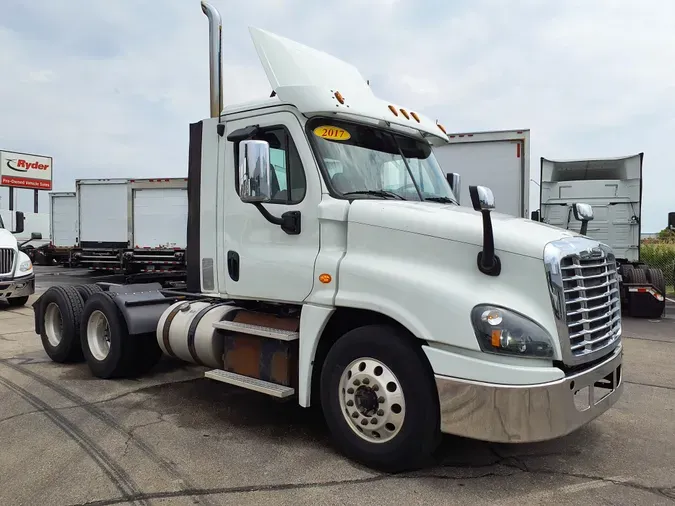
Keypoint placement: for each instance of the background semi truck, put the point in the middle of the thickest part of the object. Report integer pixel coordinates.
(326, 260)
(132, 226)
(613, 188)
(500, 159)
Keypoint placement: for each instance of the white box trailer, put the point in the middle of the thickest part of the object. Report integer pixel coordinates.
(62, 228)
(498, 159)
(613, 188)
(132, 225)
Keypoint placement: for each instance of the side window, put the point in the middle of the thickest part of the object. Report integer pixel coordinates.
(287, 173)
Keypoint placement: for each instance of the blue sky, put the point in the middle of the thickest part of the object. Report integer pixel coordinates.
(108, 88)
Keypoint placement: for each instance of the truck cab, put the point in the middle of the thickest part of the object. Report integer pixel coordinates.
(17, 280)
(329, 264)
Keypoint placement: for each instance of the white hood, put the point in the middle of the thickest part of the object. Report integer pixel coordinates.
(457, 223)
(7, 240)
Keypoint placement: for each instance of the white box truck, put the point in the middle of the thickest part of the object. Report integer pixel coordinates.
(329, 264)
(613, 189)
(500, 159)
(132, 225)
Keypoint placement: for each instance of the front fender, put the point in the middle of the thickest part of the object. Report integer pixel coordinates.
(430, 285)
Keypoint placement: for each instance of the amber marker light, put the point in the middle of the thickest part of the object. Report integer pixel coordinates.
(325, 278)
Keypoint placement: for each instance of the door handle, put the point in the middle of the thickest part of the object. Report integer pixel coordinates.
(233, 265)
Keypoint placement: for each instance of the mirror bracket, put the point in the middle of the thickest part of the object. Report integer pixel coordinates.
(483, 201)
(289, 222)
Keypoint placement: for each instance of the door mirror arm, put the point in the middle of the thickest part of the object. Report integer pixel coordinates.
(289, 222)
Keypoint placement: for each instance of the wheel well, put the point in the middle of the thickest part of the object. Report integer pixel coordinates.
(342, 321)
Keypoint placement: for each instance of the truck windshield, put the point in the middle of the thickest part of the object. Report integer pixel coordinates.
(367, 162)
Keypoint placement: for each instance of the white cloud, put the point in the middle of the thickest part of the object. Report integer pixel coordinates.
(108, 88)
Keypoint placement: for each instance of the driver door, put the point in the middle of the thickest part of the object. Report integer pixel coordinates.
(258, 259)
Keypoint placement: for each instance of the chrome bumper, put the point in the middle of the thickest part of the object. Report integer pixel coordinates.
(17, 287)
(528, 413)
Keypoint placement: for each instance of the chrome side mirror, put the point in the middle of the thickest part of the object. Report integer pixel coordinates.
(254, 171)
(455, 182)
(582, 212)
(482, 198)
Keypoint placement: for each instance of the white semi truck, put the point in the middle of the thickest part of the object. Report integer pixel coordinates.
(329, 263)
(132, 226)
(613, 188)
(17, 279)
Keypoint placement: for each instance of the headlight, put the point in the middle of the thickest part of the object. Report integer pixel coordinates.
(25, 266)
(500, 330)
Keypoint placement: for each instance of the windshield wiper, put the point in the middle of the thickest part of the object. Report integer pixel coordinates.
(381, 193)
(442, 200)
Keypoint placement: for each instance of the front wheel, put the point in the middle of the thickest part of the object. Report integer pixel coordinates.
(379, 399)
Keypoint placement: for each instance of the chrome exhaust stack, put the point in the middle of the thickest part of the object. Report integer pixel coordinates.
(215, 58)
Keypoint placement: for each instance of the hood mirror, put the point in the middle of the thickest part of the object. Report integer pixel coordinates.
(483, 201)
(584, 214)
(455, 182)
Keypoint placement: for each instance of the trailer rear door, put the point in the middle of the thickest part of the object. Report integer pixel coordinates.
(160, 217)
(64, 220)
(103, 213)
(498, 160)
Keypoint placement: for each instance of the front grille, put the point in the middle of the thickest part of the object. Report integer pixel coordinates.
(6, 260)
(584, 287)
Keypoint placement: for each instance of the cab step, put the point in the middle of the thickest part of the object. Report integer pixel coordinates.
(258, 385)
(257, 330)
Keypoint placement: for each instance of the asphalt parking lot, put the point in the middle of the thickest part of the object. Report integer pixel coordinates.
(173, 437)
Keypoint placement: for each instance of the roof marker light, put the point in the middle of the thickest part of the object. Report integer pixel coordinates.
(393, 109)
(405, 113)
(441, 127)
(414, 115)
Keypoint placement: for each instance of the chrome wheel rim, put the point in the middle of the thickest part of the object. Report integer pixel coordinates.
(53, 324)
(371, 400)
(98, 335)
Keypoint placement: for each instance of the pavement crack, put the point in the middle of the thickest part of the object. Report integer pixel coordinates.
(11, 417)
(649, 385)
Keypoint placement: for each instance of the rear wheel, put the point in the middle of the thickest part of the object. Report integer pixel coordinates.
(637, 276)
(657, 279)
(108, 348)
(86, 291)
(379, 399)
(60, 334)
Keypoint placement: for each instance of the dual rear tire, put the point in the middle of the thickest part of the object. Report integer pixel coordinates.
(84, 323)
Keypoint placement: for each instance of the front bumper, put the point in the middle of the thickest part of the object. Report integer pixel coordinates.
(17, 287)
(528, 413)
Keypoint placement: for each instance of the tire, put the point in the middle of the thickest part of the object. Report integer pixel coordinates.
(126, 356)
(638, 276)
(61, 308)
(416, 426)
(625, 268)
(657, 279)
(113, 357)
(86, 291)
(17, 301)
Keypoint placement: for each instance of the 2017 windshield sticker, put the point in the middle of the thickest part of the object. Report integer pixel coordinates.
(332, 133)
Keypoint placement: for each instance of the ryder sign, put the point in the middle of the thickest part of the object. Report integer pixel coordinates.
(21, 170)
